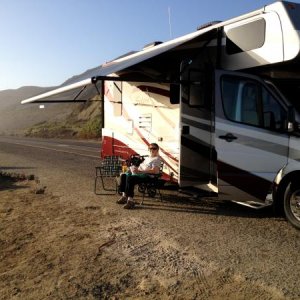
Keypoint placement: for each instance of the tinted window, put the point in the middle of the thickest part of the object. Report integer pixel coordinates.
(247, 101)
(274, 115)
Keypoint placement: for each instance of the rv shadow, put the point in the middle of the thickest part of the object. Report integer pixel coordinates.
(205, 205)
(8, 184)
(10, 181)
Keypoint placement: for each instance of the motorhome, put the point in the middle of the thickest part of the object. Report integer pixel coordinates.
(222, 103)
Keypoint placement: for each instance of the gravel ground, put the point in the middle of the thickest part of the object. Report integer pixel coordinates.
(68, 243)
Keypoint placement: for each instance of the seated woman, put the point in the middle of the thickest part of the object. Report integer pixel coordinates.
(137, 175)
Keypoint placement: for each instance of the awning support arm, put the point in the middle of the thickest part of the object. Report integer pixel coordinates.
(75, 98)
(78, 94)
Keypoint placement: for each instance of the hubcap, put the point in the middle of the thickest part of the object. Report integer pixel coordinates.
(295, 204)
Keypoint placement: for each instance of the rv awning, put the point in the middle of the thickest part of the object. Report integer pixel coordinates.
(139, 63)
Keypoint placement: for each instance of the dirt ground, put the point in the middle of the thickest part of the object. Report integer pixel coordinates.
(53, 250)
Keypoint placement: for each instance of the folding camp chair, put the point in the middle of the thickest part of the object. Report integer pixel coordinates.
(109, 169)
(152, 185)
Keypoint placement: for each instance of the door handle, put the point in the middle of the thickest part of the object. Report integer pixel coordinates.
(229, 137)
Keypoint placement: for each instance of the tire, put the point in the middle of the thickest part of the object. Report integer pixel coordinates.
(291, 204)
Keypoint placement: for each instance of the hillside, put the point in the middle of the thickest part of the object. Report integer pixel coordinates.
(81, 120)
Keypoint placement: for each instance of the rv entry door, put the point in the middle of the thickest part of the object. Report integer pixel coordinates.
(197, 159)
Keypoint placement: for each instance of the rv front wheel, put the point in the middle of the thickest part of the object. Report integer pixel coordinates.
(292, 204)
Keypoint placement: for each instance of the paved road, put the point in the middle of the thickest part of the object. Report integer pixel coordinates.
(253, 247)
(60, 164)
(82, 148)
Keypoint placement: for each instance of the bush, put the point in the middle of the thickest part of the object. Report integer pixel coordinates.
(91, 129)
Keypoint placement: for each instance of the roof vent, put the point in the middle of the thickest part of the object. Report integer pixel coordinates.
(150, 45)
(205, 25)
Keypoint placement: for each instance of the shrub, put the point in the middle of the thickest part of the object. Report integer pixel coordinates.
(91, 129)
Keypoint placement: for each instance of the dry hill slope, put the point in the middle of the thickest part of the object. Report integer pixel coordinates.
(55, 120)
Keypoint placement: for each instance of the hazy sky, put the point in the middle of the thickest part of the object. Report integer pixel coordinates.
(44, 42)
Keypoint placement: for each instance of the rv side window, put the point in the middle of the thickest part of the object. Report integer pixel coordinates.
(246, 37)
(248, 102)
(274, 115)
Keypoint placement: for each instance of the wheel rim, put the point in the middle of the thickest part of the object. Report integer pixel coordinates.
(295, 204)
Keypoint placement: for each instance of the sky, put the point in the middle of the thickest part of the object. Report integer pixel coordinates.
(45, 42)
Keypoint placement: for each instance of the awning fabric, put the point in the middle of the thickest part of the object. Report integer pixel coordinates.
(118, 65)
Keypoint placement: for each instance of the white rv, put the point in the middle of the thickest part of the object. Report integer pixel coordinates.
(222, 103)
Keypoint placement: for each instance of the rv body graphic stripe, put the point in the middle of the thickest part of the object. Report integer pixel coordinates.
(195, 113)
(243, 180)
(196, 145)
(294, 154)
(194, 175)
(201, 119)
(294, 149)
(125, 113)
(144, 140)
(162, 150)
(116, 142)
(196, 124)
(264, 145)
(168, 120)
(147, 143)
(249, 131)
(108, 94)
(161, 92)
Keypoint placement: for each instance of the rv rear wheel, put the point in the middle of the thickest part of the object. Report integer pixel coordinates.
(292, 204)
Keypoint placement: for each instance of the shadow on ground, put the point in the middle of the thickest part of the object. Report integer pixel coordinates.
(11, 181)
(177, 202)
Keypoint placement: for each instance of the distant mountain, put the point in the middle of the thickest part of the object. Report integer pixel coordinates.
(16, 118)
(87, 74)
(13, 96)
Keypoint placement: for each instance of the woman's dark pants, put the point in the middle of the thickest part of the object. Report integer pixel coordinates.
(127, 183)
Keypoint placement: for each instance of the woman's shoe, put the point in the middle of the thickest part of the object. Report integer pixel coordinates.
(129, 205)
(122, 200)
